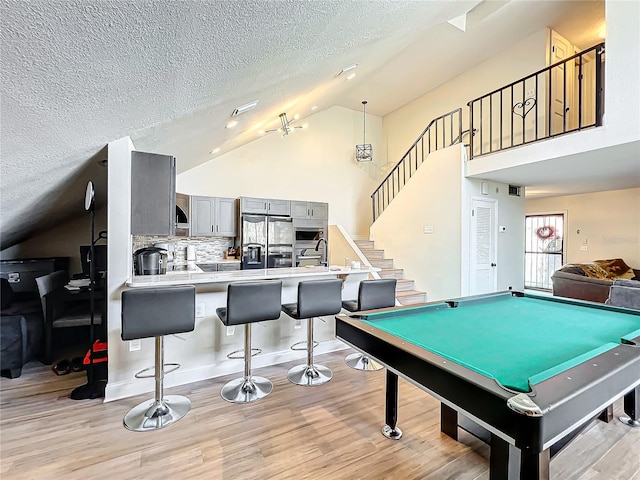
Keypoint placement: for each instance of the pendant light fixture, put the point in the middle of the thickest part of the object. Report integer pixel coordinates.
(364, 152)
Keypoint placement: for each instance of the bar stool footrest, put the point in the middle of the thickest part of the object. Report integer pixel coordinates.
(172, 368)
(234, 355)
(303, 342)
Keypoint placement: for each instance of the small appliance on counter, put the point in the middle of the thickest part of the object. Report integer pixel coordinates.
(169, 247)
(150, 261)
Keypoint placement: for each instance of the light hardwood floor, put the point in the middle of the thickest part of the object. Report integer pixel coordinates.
(326, 432)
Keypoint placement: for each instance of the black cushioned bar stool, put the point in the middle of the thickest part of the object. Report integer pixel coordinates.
(372, 294)
(248, 303)
(315, 298)
(156, 312)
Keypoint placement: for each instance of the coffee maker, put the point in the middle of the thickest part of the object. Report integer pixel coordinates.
(150, 261)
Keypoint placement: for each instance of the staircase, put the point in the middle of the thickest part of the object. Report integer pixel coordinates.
(406, 293)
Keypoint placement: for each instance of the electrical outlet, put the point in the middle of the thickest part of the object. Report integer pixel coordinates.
(200, 310)
(584, 248)
(530, 93)
(134, 345)
(231, 331)
(298, 325)
(428, 229)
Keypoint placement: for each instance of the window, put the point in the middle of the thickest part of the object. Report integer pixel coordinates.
(543, 252)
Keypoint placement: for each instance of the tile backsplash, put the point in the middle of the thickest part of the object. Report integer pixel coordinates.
(208, 249)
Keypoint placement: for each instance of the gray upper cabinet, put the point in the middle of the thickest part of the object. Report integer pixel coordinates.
(309, 210)
(153, 194)
(226, 217)
(265, 206)
(213, 217)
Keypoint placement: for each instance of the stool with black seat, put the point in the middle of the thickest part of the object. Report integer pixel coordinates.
(248, 303)
(156, 312)
(372, 295)
(315, 299)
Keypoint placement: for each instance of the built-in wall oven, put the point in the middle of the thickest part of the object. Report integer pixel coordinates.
(310, 245)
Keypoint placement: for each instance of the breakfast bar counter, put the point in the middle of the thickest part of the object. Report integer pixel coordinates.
(203, 352)
(194, 278)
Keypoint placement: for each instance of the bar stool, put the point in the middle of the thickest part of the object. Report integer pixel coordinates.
(248, 303)
(315, 298)
(372, 294)
(156, 312)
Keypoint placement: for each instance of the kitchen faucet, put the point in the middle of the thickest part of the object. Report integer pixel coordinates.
(322, 239)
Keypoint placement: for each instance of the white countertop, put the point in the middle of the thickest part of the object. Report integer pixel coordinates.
(187, 277)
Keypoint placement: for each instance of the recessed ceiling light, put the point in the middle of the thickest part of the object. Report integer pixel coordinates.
(231, 124)
(215, 150)
(351, 76)
(346, 69)
(314, 107)
(244, 108)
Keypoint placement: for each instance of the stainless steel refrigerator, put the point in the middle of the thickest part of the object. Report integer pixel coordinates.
(267, 242)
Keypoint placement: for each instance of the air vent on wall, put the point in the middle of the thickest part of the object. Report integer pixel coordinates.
(515, 190)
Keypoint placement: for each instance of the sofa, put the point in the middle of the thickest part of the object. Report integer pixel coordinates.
(591, 281)
(21, 329)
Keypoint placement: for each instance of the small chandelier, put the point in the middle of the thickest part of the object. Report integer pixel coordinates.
(364, 152)
(285, 125)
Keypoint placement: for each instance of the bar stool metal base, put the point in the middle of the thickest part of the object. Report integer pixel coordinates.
(153, 415)
(309, 375)
(360, 362)
(392, 433)
(245, 390)
(630, 422)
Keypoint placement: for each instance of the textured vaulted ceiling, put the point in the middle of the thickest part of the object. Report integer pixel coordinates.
(78, 74)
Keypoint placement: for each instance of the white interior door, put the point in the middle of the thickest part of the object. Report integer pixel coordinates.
(563, 110)
(484, 247)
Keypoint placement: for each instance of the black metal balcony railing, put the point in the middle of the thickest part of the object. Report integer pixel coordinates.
(561, 98)
(441, 132)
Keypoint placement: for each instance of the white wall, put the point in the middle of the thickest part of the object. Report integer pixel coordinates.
(316, 164)
(608, 222)
(439, 196)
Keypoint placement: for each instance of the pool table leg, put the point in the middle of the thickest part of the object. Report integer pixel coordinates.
(632, 408)
(390, 430)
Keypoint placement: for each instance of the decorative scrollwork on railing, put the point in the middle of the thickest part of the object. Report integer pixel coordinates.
(524, 107)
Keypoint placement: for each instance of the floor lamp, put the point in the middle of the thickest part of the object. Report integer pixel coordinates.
(94, 388)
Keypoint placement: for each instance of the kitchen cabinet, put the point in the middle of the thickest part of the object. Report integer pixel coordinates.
(153, 194)
(309, 210)
(265, 206)
(213, 217)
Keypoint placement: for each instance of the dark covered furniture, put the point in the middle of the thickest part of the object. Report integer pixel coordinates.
(591, 281)
(154, 313)
(248, 303)
(21, 329)
(61, 309)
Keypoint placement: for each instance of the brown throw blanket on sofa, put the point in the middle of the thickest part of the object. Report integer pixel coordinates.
(607, 269)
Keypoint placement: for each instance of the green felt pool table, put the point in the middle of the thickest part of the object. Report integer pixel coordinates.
(526, 370)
